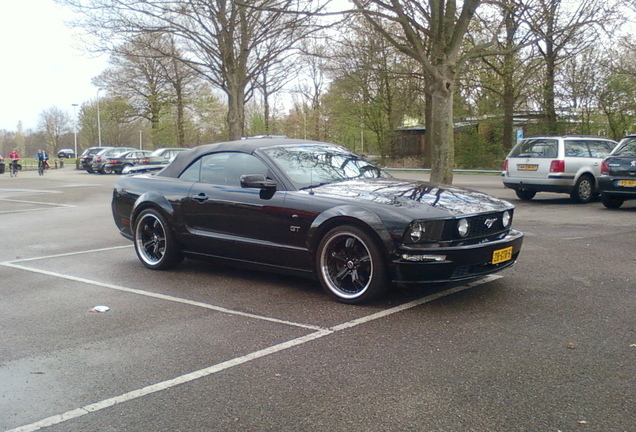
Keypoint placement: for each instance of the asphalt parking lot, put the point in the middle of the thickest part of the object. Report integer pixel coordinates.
(548, 345)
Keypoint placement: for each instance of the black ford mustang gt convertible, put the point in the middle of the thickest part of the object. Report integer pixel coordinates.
(313, 209)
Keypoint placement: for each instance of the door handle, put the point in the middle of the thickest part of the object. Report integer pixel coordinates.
(201, 197)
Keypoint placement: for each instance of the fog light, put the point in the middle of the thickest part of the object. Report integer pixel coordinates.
(423, 258)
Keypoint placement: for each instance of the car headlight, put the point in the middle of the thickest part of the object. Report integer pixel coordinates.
(462, 227)
(506, 218)
(417, 232)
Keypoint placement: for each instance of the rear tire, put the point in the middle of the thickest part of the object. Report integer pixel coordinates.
(525, 194)
(611, 201)
(583, 190)
(350, 265)
(155, 244)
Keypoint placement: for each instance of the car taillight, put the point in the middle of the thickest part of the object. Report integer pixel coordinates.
(98, 159)
(505, 165)
(112, 161)
(144, 161)
(605, 168)
(557, 166)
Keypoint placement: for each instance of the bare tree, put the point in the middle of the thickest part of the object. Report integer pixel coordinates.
(510, 57)
(152, 82)
(53, 123)
(562, 30)
(223, 40)
(432, 34)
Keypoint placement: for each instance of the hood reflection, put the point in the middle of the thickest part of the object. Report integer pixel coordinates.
(412, 194)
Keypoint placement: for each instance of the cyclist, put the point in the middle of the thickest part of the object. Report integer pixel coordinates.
(14, 157)
(42, 159)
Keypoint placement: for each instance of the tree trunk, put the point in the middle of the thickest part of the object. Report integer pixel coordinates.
(509, 110)
(441, 133)
(550, 109)
(236, 110)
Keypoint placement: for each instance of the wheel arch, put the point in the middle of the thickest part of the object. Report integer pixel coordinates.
(152, 200)
(586, 172)
(361, 218)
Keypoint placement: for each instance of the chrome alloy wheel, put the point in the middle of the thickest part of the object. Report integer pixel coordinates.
(346, 265)
(150, 239)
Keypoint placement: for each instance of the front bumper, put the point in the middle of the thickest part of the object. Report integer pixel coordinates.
(455, 263)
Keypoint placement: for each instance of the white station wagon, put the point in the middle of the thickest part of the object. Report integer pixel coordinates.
(562, 164)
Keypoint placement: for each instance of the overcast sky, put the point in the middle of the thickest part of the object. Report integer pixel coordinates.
(41, 65)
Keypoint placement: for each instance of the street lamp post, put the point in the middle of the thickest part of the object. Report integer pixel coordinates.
(75, 126)
(99, 121)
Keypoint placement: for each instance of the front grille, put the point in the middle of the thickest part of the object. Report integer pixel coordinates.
(483, 226)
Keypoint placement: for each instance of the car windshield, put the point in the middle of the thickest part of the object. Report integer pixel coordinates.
(626, 148)
(540, 147)
(314, 165)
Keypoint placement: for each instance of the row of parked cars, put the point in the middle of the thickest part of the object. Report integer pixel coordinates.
(121, 160)
(582, 166)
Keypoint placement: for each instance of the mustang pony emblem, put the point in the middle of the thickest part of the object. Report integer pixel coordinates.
(490, 222)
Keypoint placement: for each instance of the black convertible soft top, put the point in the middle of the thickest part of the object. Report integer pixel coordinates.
(185, 158)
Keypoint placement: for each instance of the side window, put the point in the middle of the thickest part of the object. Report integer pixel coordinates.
(224, 168)
(600, 149)
(576, 148)
(192, 173)
(238, 164)
(212, 168)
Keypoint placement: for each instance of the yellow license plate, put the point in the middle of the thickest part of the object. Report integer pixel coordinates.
(527, 167)
(628, 183)
(502, 255)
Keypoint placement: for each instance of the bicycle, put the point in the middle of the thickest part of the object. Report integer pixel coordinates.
(42, 166)
(14, 167)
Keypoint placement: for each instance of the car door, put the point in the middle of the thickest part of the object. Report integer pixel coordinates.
(235, 222)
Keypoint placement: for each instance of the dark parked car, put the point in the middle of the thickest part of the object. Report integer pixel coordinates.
(163, 155)
(66, 153)
(85, 161)
(156, 161)
(119, 163)
(312, 209)
(100, 159)
(618, 174)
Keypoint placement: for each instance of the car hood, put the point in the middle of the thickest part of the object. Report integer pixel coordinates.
(409, 194)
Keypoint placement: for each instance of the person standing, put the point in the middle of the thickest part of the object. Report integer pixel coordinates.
(42, 159)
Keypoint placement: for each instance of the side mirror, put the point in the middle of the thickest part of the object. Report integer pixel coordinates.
(257, 181)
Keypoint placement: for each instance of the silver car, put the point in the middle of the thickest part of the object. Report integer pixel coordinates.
(562, 164)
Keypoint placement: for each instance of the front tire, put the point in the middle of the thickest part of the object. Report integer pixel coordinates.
(583, 190)
(154, 241)
(350, 265)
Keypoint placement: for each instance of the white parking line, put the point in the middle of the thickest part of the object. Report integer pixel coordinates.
(157, 295)
(192, 376)
(50, 206)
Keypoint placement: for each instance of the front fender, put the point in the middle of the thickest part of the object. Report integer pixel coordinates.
(349, 214)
